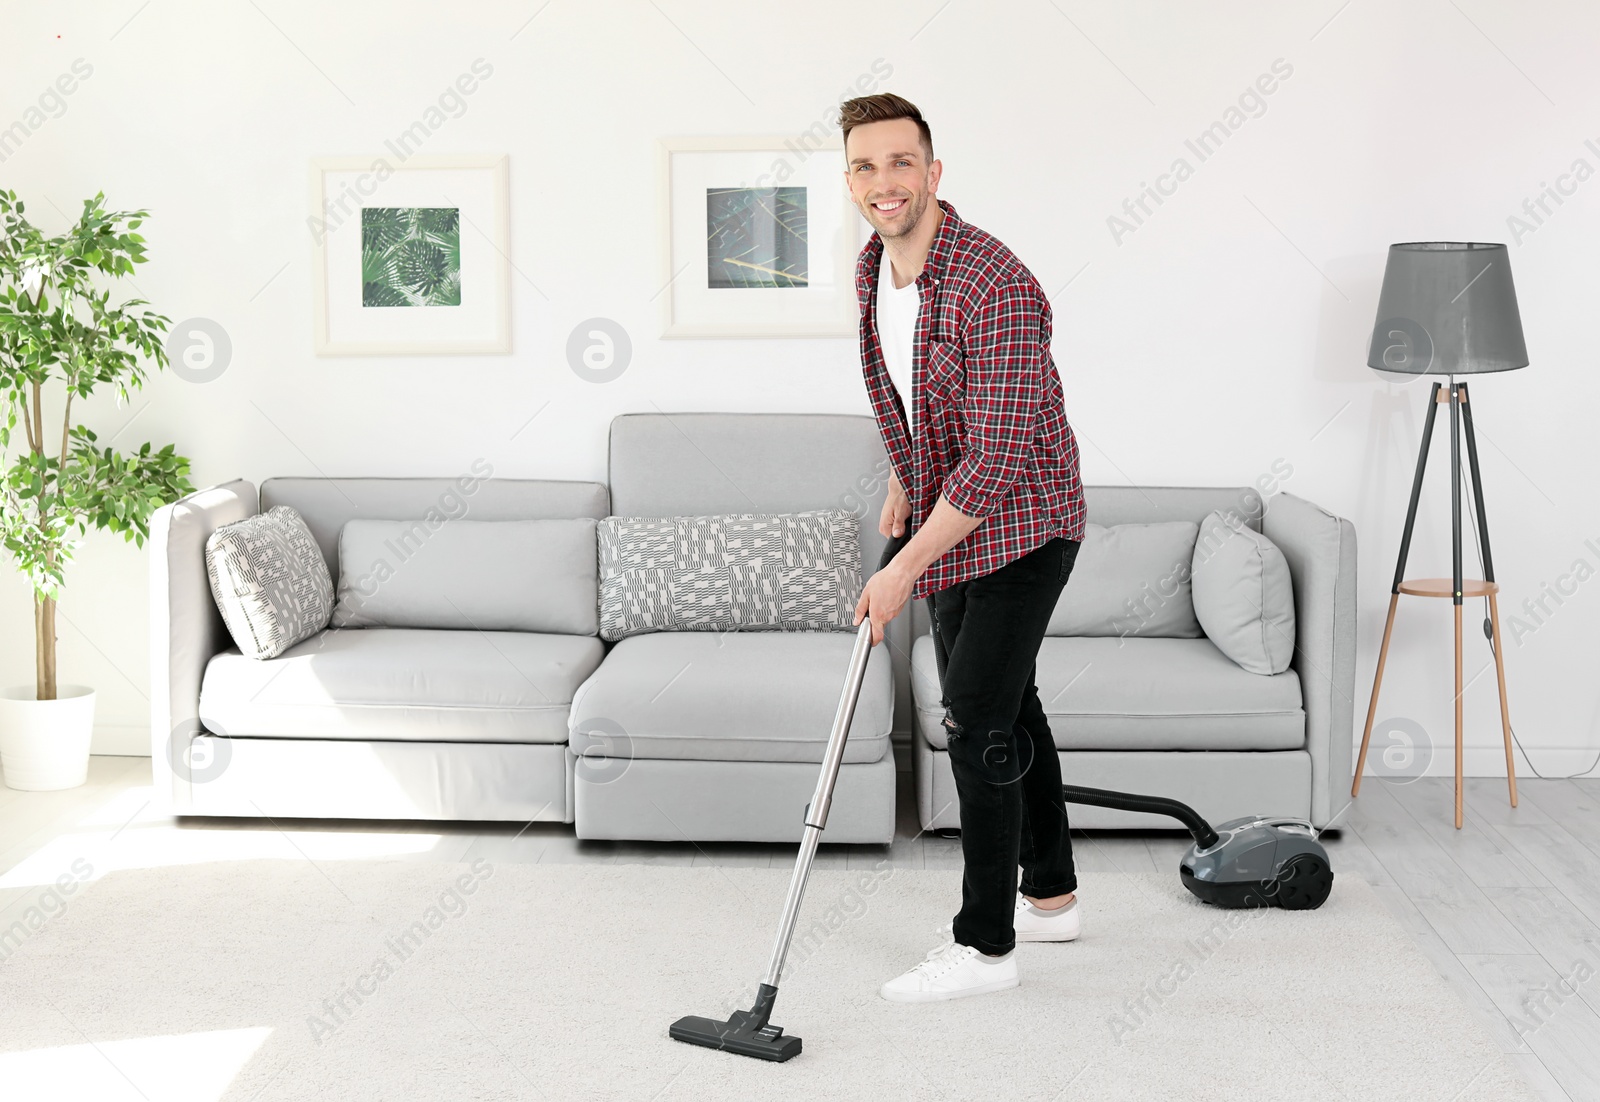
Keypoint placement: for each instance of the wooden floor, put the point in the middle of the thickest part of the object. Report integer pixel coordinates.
(1507, 908)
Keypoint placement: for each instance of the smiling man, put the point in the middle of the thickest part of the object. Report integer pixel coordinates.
(955, 348)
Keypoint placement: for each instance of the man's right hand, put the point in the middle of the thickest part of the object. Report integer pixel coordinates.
(896, 511)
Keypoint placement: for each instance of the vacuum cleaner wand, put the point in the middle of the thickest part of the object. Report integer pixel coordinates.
(747, 1032)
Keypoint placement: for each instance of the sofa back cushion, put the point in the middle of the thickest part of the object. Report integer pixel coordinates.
(488, 575)
(1244, 595)
(1130, 580)
(327, 503)
(716, 464)
(734, 572)
(1112, 505)
(269, 581)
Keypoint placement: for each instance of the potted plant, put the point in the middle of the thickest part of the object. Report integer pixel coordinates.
(61, 339)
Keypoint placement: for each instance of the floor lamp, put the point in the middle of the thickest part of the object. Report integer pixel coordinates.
(1447, 308)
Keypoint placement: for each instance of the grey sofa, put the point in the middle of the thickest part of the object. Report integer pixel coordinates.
(706, 736)
(1177, 717)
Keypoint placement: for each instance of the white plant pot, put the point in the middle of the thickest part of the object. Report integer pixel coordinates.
(44, 744)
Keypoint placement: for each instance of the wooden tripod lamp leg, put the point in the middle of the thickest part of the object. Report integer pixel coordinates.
(1372, 708)
(1460, 690)
(1505, 708)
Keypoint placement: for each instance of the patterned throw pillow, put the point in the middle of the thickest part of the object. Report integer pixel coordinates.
(270, 581)
(740, 572)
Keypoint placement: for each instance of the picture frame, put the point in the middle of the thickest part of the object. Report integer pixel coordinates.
(410, 256)
(759, 239)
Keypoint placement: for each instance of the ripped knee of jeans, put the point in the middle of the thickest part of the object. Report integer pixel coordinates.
(951, 727)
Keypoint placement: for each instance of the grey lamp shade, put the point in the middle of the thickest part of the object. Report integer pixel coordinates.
(1447, 308)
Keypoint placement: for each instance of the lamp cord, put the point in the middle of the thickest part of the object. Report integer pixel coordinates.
(1488, 631)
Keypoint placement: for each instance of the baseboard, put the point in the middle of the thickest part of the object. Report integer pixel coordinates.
(1490, 761)
(124, 740)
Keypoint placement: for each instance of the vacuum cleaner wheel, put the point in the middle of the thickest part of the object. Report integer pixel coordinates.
(1304, 883)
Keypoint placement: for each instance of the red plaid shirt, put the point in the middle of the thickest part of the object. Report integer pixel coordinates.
(995, 438)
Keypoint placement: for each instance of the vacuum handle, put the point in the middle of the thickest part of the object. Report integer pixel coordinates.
(892, 547)
(822, 799)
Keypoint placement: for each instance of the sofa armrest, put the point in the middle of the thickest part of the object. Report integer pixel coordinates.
(185, 627)
(1321, 551)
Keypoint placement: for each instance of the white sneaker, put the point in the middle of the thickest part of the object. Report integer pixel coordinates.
(1032, 924)
(951, 971)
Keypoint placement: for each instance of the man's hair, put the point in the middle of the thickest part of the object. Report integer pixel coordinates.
(880, 108)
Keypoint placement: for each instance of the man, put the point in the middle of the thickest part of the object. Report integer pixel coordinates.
(955, 348)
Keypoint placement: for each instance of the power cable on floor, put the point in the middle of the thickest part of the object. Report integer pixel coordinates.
(1488, 631)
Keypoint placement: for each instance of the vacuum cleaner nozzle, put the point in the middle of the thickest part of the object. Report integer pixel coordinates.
(745, 1033)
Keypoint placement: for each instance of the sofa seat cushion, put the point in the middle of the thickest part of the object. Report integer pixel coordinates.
(426, 685)
(731, 696)
(1141, 694)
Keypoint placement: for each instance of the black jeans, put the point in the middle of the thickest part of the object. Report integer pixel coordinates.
(986, 633)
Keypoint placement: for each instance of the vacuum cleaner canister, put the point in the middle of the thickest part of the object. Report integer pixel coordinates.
(1260, 862)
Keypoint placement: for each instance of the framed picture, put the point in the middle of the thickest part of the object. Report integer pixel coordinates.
(411, 257)
(759, 239)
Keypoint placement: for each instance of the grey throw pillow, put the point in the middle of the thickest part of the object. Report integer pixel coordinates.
(489, 575)
(1130, 580)
(270, 581)
(738, 572)
(1243, 594)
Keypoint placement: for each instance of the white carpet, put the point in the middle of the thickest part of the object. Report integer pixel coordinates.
(206, 981)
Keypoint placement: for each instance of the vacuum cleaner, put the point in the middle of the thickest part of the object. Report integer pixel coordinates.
(1251, 861)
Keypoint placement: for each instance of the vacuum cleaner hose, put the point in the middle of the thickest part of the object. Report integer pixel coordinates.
(1204, 836)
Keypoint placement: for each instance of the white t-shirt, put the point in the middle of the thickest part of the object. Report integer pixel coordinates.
(897, 309)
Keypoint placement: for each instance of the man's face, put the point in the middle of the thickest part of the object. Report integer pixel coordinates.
(891, 181)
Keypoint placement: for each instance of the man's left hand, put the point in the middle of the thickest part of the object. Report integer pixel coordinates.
(883, 597)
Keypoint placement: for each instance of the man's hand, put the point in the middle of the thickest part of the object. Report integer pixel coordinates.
(896, 510)
(887, 591)
(884, 596)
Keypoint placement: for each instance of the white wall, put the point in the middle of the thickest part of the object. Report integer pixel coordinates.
(1227, 331)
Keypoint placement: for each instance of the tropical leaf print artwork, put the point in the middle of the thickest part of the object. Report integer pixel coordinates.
(756, 237)
(410, 256)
